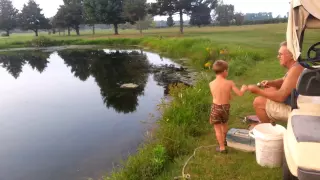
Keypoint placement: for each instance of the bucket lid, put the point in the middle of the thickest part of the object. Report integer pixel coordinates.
(267, 131)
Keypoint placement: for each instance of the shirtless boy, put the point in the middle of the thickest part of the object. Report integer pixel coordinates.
(221, 92)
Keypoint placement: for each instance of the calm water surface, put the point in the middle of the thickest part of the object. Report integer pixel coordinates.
(63, 115)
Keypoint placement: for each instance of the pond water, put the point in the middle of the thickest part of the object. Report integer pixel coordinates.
(63, 115)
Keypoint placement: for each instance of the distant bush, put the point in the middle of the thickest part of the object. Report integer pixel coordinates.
(4, 35)
(42, 42)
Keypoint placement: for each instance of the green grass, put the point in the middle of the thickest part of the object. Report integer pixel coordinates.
(252, 52)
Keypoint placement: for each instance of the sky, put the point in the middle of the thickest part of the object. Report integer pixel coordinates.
(245, 6)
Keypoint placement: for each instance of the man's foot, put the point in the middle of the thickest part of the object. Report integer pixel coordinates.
(225, 151)
(251, 126)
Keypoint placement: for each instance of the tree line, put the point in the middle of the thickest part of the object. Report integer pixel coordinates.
(30, 17)
(73, 13)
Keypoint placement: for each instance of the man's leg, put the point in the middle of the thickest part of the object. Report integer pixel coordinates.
(259, 105)
(220, 136)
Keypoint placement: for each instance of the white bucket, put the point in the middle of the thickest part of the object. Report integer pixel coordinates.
(269, 144)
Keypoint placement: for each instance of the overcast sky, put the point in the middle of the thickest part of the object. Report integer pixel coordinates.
(276, 6)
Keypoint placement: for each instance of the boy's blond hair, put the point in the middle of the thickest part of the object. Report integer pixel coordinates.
(220, 66)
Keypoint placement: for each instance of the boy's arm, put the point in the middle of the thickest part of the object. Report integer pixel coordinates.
(236, 90)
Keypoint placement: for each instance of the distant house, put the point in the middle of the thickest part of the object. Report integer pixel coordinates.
(258, 16)
(163, 24)
(97, 26)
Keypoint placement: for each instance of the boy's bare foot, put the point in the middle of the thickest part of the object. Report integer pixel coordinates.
(225, 151)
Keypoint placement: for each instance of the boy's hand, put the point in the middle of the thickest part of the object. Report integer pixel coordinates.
(244, 88)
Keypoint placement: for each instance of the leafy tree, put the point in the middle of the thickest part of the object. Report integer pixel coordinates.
(8, 16)
(51, 22)
(74, 14)
(135, 11)
(153, 24)
(146, 22)
(31, 18)
(90, 13)
(239, 18)
(59, 20)
(70, 15)
(111, 12)
(140, 25)
(201, 12)
(170, 21)
(167, 7)
(225, 14)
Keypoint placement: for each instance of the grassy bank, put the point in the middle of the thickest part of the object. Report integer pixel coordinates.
(184, 124)
(251, 52)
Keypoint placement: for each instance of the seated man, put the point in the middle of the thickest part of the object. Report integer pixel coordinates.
(274, 101)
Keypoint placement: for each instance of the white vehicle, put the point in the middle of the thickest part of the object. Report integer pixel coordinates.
(302, 138)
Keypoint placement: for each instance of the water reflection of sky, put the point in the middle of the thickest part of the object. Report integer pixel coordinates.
(55, 126)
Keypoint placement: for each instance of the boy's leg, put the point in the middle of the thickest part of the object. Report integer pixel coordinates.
(224, 131)
(220, 137)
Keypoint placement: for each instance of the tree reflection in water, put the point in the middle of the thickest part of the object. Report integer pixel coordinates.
(110, 70)
(13, 62)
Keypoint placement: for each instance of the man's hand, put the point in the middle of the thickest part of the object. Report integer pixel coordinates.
(265, 83)
(253, 88)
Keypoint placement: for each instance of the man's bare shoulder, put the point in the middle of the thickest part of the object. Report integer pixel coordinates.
(292, 77)
(295, 70)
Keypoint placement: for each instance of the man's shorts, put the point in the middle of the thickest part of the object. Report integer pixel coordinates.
(277, 111)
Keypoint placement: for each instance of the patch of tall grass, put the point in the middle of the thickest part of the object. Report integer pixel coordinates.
(201, 51)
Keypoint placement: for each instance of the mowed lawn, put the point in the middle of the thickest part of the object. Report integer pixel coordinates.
(207, 164)
(255, 36)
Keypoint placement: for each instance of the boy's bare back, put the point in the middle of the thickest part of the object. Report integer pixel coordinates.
(221, 87)
(221, 90)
